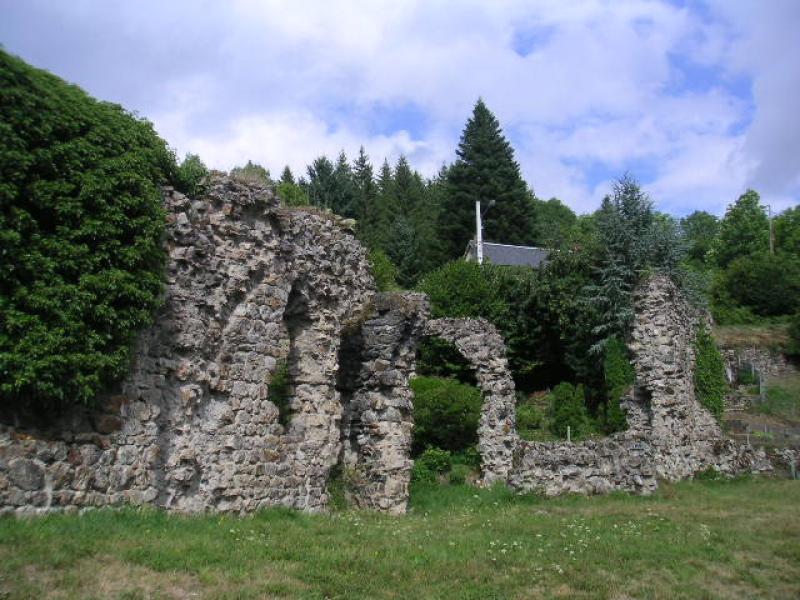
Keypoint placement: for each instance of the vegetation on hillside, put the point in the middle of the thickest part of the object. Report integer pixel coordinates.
(80, 229)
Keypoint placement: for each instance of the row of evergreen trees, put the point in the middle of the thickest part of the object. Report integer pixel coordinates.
(419, 223)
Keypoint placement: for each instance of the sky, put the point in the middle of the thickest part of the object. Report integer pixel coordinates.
(696, 99)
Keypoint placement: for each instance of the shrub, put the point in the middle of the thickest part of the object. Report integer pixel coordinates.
(709, 375)
(458, 475)
(436, 459)
(384, 272)
(567, 408)
(292, 194)
(446, 414)
(430, 464)
(252, 174)
(189, 175)
(421, 473)
(81, 266)
(529, 420)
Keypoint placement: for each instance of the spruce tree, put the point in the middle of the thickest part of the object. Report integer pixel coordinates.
(344, 191)
(287, 176)
(485, 170)
(365, 191)
(321, 186)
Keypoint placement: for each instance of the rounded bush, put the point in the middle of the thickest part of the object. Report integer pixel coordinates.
(80, 231)
(446, 414)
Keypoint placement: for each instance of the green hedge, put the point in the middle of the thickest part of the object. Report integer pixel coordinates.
(80, 230)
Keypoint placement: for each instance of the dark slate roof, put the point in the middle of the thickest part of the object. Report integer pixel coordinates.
(506, 254)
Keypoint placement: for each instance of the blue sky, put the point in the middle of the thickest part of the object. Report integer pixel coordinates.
(698, 100)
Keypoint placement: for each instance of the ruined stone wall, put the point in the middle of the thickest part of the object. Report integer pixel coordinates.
(669, 436)
(254, 290)
(480, 343)
(249, 286)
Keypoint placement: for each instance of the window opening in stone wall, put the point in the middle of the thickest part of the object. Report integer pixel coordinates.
(282, 384)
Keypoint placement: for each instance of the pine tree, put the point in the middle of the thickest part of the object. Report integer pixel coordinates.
(485, 170)
(344, 191)
(365, 192)
(287, 176)
(321, 186)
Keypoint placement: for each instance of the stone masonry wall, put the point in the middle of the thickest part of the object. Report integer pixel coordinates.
(253, 290)
(669, 436)
(249, 286)
(480, 343)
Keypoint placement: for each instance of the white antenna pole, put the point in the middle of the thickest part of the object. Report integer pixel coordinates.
(478, 232)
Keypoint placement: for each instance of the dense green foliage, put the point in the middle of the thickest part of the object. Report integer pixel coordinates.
(619, 374)
(189, 175)
(446, 414)
(568, 409)
(384, 272)
(80, 230)
(700, 229)
(529, 421)
(709, 377)
(743, 231)
(485, 170)
(766, 284)
(430, 464)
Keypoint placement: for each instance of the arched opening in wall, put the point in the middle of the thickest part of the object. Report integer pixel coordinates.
(447, 410)
(296, 321)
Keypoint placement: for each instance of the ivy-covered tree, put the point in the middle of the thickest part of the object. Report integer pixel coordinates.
(485, 170)
(81, 265)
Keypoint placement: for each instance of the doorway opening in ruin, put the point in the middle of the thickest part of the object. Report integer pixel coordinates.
(447, 411)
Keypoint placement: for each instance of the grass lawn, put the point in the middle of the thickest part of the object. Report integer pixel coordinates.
(701, 539)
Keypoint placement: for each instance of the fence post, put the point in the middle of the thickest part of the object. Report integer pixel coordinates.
(569, 434)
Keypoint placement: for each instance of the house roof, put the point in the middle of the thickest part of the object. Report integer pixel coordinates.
(506, 254)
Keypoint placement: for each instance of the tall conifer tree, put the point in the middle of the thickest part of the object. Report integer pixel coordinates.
(485, 170)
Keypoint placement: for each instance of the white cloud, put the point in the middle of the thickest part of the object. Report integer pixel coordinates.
(593, 93)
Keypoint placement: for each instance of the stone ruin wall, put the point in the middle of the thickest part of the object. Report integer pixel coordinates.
(249, 286)
(252, 286)
(670, 435)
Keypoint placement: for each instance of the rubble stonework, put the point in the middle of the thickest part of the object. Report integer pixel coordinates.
(378, 361)
(480, 343)
(249, 286)
(253, 290)
(669, 436)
